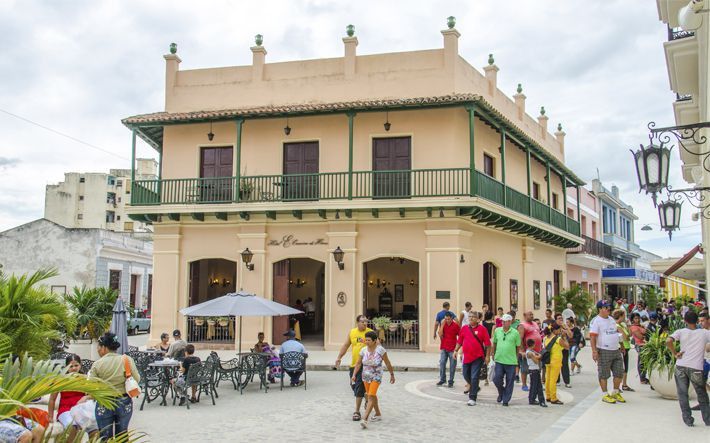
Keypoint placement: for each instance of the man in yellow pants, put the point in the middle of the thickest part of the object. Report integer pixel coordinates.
(554, 343)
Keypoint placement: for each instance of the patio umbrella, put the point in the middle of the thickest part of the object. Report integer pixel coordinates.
(119, 325)
(239, 304)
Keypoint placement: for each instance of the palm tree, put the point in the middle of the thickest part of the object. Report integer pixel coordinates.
(30, 315)
(93, 309)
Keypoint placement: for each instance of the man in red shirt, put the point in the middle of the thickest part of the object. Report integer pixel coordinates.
(449, 332)
(528, 330)
(476, 344)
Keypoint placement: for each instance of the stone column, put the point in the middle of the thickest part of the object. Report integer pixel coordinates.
(258, 59)
(525, 288)
(172, 66)
(350, 58)
(253, 237)
(340, 319)
(166, 282)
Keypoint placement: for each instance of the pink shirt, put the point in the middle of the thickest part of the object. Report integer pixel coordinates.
(533, 332)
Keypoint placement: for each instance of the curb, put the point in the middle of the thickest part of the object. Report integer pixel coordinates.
(322, 367)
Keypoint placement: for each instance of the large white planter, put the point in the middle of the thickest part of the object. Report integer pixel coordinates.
(84, 349)
(666, 388)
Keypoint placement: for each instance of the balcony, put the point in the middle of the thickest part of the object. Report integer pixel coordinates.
(332, 186)
(678, 34)
(592, 254)
(622, 244)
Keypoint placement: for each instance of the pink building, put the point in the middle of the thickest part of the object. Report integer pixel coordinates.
(585, 263)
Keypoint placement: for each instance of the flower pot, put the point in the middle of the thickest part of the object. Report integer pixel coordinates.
(393, 327)
(210, 322)
(223, 322)
(666, 388)
(199, 322)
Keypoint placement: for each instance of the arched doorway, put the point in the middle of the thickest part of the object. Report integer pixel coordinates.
(300, 283)
(211, 278)
(490, 286)
(391, 289)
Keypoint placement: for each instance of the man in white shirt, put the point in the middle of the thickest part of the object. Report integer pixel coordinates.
(604, 333)
(694, 342)
(292, 345)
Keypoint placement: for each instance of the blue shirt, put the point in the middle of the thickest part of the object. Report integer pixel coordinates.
(292, 345)
(440, 316)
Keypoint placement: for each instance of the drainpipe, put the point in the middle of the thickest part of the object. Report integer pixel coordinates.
(471, 150)
(238, 143)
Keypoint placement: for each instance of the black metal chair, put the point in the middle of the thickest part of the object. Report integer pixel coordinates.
(59, 355)
(201, 376)
(254, 364)
(225, 370)
(292, 362)
(86, 365)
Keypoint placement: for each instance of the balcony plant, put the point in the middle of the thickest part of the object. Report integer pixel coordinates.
(223, 321)
(246, 188)
(199, 321)
(381, 323)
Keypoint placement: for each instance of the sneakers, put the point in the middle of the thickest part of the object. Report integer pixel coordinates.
(376, 418)
(567, 385)
(451, 385)
(543, 405)
(617, 396)
(441, 383)
(609, 399)
(499, 399)
(525, 388)
(471, 403)
(363, 424)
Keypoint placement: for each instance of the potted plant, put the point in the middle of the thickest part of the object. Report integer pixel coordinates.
(407, 325)
(223, 321)
(381, 323)
(199, 321)
(393, 327)
(245, 189)
(211, 321)
(659, 364)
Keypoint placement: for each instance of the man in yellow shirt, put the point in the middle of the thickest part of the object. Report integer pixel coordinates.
(356, 339)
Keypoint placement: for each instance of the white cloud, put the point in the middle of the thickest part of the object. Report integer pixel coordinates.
(79, 67)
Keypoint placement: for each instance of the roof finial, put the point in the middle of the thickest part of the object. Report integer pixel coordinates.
(173, 48)
(451, 21)
(520, 88)
(258, 39)
(490, 59)
(559, 127)
(542, 110)
(350, 30)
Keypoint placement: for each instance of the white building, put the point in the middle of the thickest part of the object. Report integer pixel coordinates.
(83, 257)
(96, 199)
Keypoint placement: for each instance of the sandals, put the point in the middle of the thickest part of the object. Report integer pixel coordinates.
(628, 388)
(357, 416)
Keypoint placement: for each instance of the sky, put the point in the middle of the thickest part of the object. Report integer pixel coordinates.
(78, 67)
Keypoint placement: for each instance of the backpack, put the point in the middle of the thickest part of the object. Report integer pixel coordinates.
(546, 351)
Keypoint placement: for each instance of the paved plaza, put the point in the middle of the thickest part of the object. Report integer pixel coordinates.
(414, 409)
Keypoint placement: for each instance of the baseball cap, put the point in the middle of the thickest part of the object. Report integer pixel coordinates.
(653, 315)
(176, 333)
(507, 317)
(290, 333)
(603, 304)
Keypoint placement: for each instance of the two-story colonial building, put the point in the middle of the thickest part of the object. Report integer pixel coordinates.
(433, 183)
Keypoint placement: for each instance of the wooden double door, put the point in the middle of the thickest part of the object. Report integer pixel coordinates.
(300, 171)
(216, 171)
(389, 157)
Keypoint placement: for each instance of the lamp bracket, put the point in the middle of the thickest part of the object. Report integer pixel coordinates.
(684, 135)
(696, 196)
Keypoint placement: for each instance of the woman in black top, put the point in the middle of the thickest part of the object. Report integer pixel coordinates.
(575, 344)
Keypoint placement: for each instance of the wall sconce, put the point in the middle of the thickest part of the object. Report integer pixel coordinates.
(287, 128)
(412, 283)
(214, 281)
(462, 260)
(441, 212)
(370, 283)
(246, 258)
(388, 125)
(225, 282)
(210, 135)
(338, 257)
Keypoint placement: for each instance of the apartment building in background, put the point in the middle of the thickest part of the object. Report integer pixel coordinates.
(97, 199)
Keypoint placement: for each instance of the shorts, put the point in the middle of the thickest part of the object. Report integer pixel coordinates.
(65, 419)
(523, 363)
(357, 386)
(371, 387)
(11, 431)
(610, 362)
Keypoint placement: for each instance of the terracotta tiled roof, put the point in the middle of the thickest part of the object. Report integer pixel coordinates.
(300, 108)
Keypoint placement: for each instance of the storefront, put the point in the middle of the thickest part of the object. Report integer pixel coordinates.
(628, 283)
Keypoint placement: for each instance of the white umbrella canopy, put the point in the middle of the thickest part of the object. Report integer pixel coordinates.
(239, 304)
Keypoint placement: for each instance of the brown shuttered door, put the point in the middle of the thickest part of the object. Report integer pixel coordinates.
(390, 155)
(300, 171)
(216, 168)
(281, 288)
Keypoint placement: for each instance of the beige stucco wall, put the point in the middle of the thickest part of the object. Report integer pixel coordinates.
(434, 246)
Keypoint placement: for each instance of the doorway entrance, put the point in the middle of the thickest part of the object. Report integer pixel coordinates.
(135, 298)
(391, 291)
(300, 283)
(490, 286)
(211, 278)
(300, 181)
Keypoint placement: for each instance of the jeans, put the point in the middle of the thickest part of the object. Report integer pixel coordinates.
(573, 351)
(295, 376)
(471, 372)
(639, 366)
(106, 419)
(536, 392)
(505, 392)
(684, 377)
(553, 373)
(447, 355)
(565, 367)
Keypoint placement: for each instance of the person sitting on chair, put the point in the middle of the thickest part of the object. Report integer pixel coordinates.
(293, 345)
(177, 348)
(181, 379)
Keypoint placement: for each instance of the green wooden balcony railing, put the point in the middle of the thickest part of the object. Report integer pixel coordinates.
(444, 182)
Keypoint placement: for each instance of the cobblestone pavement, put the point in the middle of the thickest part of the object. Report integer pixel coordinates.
(413, 409)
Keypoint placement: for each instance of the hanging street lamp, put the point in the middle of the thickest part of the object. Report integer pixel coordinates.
(669, 216)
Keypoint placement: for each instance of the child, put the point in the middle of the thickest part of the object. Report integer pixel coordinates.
(190, 358)
(370, 361)
(554, 343)
(67, 400)
(536, 396)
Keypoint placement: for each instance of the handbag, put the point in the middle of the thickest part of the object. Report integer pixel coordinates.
(84, 415)
(132, 388)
